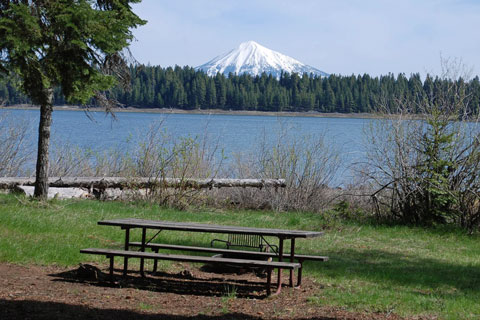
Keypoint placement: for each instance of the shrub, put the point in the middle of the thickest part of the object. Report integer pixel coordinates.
(14, 155)
(307, 164)
(426, 171)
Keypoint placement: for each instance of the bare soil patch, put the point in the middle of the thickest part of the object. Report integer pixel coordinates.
(185, 292)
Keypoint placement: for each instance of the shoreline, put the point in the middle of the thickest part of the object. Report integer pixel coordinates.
(312, 114)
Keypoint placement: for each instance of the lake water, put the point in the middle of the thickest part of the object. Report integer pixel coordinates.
(234, 133)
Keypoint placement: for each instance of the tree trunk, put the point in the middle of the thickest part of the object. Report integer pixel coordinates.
(41, 177)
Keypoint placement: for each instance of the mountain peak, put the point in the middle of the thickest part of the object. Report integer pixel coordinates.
(253, 58)
(249, 44)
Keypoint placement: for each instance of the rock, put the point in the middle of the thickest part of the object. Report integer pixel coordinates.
(89, 272)
(59, 193)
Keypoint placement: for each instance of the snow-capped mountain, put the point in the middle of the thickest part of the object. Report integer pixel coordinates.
(250, 57)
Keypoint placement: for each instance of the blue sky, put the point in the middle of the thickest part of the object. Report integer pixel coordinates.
(342, 36)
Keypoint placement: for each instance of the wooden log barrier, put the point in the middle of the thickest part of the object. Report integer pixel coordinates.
(129, 183)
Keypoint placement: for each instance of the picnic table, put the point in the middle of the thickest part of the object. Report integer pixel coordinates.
(243, 257)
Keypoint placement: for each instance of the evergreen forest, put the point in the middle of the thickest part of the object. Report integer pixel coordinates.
(188, 89)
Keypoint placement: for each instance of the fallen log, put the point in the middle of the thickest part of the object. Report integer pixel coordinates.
(129, 183)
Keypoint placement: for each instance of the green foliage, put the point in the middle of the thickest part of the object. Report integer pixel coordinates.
(74, 45)
(344, 210)
(64, 44)
(438, 200)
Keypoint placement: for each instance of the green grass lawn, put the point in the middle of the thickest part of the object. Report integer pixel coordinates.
(408, 271)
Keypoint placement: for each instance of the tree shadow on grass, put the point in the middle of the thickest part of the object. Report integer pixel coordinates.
(398, 269)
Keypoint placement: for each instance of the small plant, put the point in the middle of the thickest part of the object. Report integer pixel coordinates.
(145, 306)
(228, 297)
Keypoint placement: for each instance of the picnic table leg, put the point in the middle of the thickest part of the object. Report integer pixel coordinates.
(269, 281)
(125, 259)
(111, 267)
(280, 259)
(155, 262)
(299, 281)
(292, 259)
(142, 249)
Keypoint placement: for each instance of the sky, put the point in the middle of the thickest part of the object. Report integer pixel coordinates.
(341, 36)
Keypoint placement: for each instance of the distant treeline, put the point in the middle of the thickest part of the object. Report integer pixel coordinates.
(186, 88)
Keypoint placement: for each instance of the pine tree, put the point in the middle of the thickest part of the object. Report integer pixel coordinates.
(211, 94)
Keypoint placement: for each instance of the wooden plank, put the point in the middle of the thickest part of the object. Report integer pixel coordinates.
(309, 257)
(128, 183)
(187, 258)
(227, 251)
(212, 228)
(201, 249)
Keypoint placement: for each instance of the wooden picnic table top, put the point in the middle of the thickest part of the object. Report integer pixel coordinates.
(213, 228)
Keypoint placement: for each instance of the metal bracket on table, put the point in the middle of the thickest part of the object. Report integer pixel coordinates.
(151, 239)
(272, 246)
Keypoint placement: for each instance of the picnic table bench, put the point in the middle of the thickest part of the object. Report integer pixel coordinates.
(230, 257)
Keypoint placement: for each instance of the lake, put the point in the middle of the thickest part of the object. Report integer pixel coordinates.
(233, 133)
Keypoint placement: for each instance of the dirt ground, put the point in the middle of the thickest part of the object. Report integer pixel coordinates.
(186, 292)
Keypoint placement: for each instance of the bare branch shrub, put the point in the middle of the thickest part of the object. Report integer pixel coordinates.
(114, 162)
(66, 160)
(426, 171)
(307, 164)
(161, 155)
(158, 155)
(14, 147)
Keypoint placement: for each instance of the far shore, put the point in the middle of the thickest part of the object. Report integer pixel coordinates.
(209, 111)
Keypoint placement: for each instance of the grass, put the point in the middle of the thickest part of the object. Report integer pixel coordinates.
(230, 294)
(375, 268)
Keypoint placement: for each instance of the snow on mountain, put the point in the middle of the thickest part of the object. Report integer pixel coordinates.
(252, 58)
